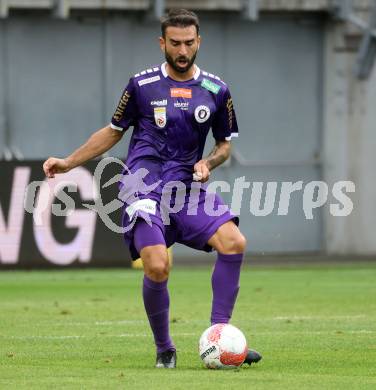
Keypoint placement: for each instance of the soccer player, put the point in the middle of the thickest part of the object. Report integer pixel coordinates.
(172, 107)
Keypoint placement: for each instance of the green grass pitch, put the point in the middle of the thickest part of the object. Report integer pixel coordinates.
(86, 329)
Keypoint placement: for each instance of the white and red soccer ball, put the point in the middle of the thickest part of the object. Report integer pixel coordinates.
(223, 346)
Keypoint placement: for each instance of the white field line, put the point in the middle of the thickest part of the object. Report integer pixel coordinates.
(121, 322)
(136, 335)
(318, 332)
(206, 322)
(93, 336)
(343, 317)
(258, 319)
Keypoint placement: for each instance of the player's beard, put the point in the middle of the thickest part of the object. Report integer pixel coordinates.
(174, 65)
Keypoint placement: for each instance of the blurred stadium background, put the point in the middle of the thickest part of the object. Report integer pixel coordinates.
(304, 87)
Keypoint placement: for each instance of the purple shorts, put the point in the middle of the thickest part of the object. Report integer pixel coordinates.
(190, 220)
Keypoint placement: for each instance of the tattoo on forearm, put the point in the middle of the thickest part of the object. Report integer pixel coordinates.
(218, 155)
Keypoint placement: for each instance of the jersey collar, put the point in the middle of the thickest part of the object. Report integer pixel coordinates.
(195, 76)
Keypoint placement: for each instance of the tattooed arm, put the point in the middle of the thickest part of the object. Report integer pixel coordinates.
(216, 157)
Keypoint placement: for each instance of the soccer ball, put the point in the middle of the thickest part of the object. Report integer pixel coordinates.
(223, 346)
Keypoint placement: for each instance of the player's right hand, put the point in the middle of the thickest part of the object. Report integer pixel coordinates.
(201, 171)
(54, 165)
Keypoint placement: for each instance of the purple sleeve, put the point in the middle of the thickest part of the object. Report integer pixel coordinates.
(126, 112)
(225, 125)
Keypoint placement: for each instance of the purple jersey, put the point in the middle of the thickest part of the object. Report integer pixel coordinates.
(172, 119)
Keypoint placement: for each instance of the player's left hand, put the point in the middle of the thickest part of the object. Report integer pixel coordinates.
(201, 171)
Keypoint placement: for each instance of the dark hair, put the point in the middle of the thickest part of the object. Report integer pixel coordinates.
(180, 18)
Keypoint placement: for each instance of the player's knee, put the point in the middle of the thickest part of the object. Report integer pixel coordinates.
(158, 272)
(240, 243)
(235, 243)
(157, 267)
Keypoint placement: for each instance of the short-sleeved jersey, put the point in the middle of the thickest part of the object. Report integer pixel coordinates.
(171, 120)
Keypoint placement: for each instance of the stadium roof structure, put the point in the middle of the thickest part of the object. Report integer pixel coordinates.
(352, 12)
(62, 8)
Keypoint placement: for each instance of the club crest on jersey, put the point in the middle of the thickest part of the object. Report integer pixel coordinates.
(160, 116)
(202, 114)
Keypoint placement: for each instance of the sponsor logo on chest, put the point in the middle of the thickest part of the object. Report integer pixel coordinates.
(182, 105)
(159, 103)
(210, 86)
(148, 80)
(185, 93)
